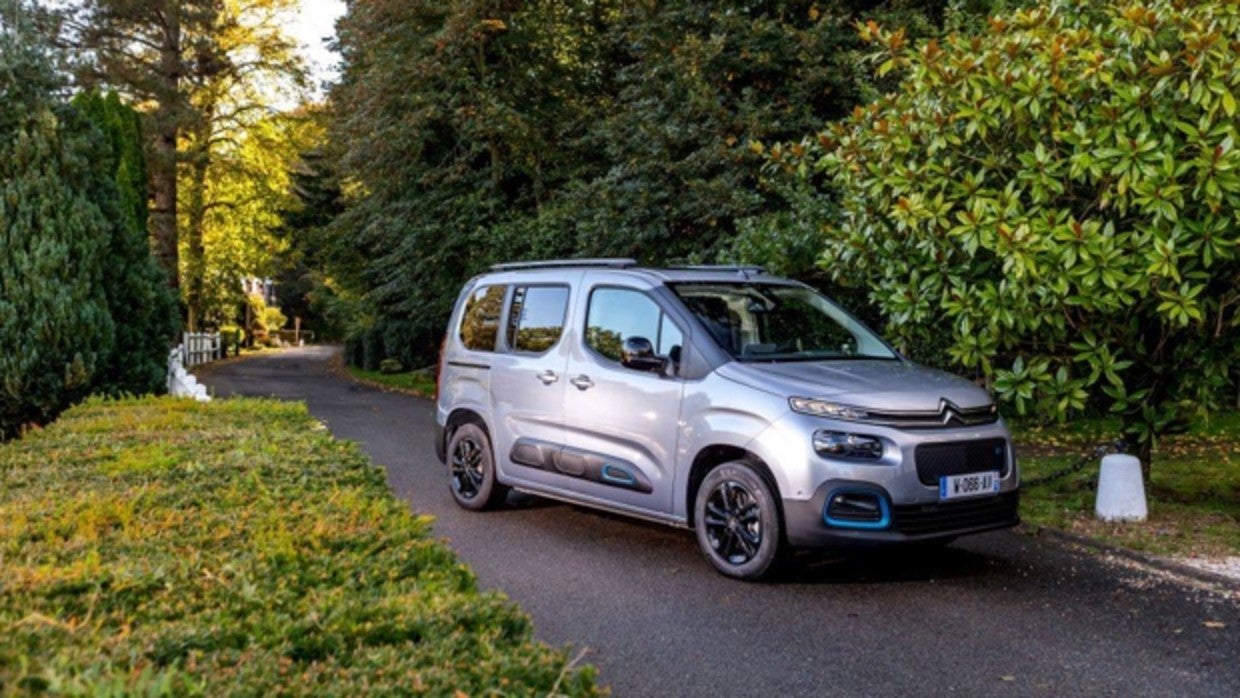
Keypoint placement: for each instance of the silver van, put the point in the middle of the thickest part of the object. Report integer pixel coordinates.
(747, 407)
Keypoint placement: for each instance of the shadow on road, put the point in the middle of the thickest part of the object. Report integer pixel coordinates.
(914, 563)
(878, 565)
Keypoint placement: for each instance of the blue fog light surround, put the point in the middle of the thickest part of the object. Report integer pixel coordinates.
(618, 475)
(884, 510)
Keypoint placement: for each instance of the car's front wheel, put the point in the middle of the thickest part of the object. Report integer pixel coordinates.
(471, 469)
(737, 521)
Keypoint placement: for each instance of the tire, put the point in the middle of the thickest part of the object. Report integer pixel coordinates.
(471, 470)
(737, 520)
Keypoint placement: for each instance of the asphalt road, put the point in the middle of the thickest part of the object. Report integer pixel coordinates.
(997, 614)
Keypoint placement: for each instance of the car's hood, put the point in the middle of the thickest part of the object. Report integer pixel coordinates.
(893, 386)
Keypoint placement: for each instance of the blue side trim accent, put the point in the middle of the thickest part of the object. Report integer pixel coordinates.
(617, 475)
(884, 510)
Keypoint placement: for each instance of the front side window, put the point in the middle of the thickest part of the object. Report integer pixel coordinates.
(770, 322)
(480, 320)
(616, 314)
(536, 319)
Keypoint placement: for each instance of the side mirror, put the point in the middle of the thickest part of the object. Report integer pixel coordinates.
(637, 353)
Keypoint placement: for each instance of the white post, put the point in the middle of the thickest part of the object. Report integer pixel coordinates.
(1121, 491)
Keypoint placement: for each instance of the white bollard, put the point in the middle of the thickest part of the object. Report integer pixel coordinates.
(1121, 492)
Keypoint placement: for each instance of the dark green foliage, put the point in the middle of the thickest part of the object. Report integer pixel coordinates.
(449, 119)
(57, 214)
(691, 91)
(305, 289)
(167, 547)
(142, 306)
(489, 130)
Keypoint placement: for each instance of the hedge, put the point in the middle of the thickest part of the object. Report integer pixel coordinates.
(157, 546)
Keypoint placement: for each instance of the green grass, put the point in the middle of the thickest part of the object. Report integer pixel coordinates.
(410, 381)
(165, 547)
(1193, 494)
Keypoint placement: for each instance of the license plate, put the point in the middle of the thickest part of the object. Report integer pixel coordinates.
(968, 485)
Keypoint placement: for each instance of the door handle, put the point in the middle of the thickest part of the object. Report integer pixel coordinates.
(582, 382)
(548, 377)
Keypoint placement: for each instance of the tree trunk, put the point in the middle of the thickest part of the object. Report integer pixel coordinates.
(195, 264)
(167, 116)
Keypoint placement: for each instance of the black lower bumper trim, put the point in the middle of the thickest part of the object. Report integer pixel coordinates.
(945, 517)
(910, 523)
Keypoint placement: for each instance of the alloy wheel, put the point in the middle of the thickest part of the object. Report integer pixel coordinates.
(467, 473)
(733, 522)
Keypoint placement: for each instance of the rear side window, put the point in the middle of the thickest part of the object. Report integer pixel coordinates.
(619, 313)
(480, 321)
(536, 319)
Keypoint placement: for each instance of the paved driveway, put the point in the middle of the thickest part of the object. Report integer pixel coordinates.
(998, 614)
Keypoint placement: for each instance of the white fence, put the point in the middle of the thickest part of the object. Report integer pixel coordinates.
(200, 347)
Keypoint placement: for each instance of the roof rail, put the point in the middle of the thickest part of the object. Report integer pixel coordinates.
(742, 268)
(612, 262)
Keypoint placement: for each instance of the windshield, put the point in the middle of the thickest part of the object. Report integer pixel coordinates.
(769, 322)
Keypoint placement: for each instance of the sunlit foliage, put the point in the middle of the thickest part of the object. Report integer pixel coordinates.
(1054, 202)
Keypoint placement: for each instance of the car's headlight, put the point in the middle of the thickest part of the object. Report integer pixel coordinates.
(822, 408)
(838, 444)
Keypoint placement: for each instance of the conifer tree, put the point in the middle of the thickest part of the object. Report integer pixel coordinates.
(55, 329)
(142, 306)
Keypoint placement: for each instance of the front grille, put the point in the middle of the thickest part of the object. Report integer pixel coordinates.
(959, 457)
(946, 517)
(948, 416)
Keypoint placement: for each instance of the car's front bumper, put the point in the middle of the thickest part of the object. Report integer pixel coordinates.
(807, 525)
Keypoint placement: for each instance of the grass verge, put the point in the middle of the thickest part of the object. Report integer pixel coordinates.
(160, 546)
(1193, 494)
(415, 382)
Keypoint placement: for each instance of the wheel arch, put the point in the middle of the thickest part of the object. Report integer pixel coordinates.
(713, 456)
(459, 416)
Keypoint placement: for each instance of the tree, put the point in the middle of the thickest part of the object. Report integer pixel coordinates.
(447, 119)
(482, 130)
(320, 277)
(226, 190)
(690, 91)
(248, 188)
(139, 300)
(1057, 197)
(58, 210)
(148, 49)
(209, 69)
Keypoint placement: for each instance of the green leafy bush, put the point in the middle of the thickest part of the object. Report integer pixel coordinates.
(1057, 197)
(160, 546)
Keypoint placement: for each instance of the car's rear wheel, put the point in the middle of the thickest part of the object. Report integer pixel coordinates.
(737, 521)
(471, 469)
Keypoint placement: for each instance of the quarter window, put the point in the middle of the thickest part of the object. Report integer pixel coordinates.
(536, 319)
(480, 320)
(617, 314)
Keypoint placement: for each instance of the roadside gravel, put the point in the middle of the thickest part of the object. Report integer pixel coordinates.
(1228, 566)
